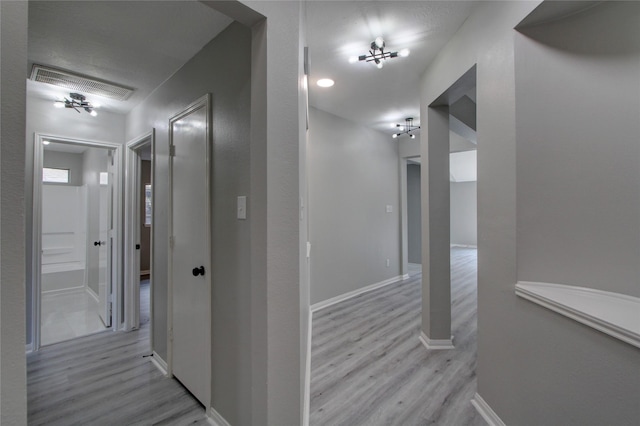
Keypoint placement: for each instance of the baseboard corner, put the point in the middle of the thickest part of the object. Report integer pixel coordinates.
(214, 418)
(486, 411)
(160, 363)
(436, 344)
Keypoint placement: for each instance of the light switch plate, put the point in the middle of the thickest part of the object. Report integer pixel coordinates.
(389, 208)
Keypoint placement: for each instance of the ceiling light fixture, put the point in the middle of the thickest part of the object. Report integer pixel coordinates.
(407, 128)
(325, 82)
(77, 101)
(377, 54)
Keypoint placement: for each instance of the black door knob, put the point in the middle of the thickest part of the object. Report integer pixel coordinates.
(198, 271)
(97, 243)
(137, 246)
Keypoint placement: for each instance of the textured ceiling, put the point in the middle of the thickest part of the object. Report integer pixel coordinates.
(136, 44)
(362, 93)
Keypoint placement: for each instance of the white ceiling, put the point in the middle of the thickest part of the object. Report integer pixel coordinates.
(136, 44)
(141, 44)
(337, 30)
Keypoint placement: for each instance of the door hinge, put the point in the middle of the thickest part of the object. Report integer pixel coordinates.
(172, 150)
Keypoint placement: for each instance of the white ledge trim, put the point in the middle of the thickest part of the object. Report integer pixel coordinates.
(615, 314)
(486, 411)
(436, 344)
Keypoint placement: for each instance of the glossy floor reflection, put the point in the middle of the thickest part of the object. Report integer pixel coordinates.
(67, 315)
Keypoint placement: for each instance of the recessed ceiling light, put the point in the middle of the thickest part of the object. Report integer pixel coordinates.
(45, 142)
(325, 82)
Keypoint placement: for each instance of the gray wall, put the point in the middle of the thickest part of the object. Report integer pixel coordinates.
(13, 55)
(414, 216)
(534, 366)
(64, 160)
(229, 83)
(579, 156)
(42, 117)
(464, 213)
(353, 176)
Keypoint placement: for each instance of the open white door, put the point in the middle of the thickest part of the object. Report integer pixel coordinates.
(190, 254)
(105, 242)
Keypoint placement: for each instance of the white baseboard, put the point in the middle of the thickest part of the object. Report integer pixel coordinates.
(436, 344)
(93, 294)
(64, 290)
(214, 418)
(485, 411)
(326, 303)
(307, 376)
(464, 246)
(145, 272)
(404, 277)
(160, 363)
(28, 348)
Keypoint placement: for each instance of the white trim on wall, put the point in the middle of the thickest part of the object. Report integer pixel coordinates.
(214, 418)
(486, 411)
(326, 303)
(160, 363)
(307, 376)
(436, 344)
(615, 314)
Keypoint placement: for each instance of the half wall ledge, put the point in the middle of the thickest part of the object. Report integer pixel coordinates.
(615, 314)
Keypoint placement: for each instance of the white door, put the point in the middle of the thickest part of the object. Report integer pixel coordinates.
(105, 243)
(190, 271)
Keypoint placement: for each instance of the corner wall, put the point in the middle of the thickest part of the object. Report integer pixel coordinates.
(534, 366)
(13, 51)
(353, 177)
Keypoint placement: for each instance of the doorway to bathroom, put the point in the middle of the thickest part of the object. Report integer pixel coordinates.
(75, 233)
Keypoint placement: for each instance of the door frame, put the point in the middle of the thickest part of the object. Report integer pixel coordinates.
(36, 264)
(132, 231)
(202, 102)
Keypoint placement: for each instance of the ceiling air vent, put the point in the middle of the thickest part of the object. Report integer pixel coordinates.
(79, 83)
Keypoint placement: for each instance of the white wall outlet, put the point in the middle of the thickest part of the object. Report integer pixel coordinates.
(389, 208)
(388, 263)
(242, 207)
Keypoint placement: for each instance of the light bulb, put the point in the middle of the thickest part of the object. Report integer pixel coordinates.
(412, 136)
(394, 135)
(325, 82)
(58, 104)
(353, 59)
(404, 53)
(379, 41)
(379, 65)
(93, 113)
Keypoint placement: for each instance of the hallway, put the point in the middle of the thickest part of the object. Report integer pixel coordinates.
(106, 379)
(369, 368)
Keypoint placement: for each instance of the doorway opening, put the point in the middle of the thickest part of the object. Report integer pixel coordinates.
(75, 259)
(138, 264)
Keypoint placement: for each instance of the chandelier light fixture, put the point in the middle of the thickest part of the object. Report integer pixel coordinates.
(405, 129)
(377, 55)
(77, 102)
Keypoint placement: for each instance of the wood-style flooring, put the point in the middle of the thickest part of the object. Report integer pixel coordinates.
(369, 368)
(106, 379)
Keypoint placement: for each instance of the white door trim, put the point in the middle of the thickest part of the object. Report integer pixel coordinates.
(203, 102)
(132, 230)
(36, 264)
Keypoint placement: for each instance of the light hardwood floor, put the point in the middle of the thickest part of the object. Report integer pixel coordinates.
(106, 379)
(369, 368)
